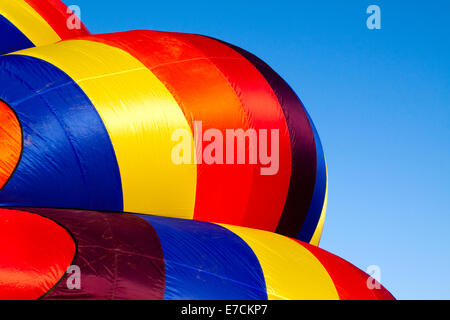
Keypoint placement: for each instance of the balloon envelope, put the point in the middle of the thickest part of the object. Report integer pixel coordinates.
(183, 167)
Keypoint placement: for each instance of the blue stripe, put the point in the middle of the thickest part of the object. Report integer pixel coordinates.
(12, 38)
(68, 159)
(206, 261)
(315, 209)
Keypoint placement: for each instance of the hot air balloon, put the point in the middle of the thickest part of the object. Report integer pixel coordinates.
(88, 178)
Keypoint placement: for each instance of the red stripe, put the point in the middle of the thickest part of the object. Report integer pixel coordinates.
(351, 283)
(56, 14)
(35, 254)
(263, 111)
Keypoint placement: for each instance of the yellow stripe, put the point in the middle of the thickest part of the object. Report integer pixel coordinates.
(315, 240)
(290, 270)
(28, 21)
(140, 115)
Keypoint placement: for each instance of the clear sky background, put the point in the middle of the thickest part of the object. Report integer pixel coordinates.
(380, 100)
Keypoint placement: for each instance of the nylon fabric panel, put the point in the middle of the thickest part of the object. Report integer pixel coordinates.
(67, 159)
(140, 116)
(10, 143)
(290, 270)
(35, 254)
(29, 22)
(119, 256)
(12, 38)
(205, 261)
(203, 94)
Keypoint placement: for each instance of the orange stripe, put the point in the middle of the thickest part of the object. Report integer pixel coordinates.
(268, 192)
(10, 143)
(56, 14)
(203, 94)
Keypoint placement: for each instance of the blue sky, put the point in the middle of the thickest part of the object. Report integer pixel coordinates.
(380, 100)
